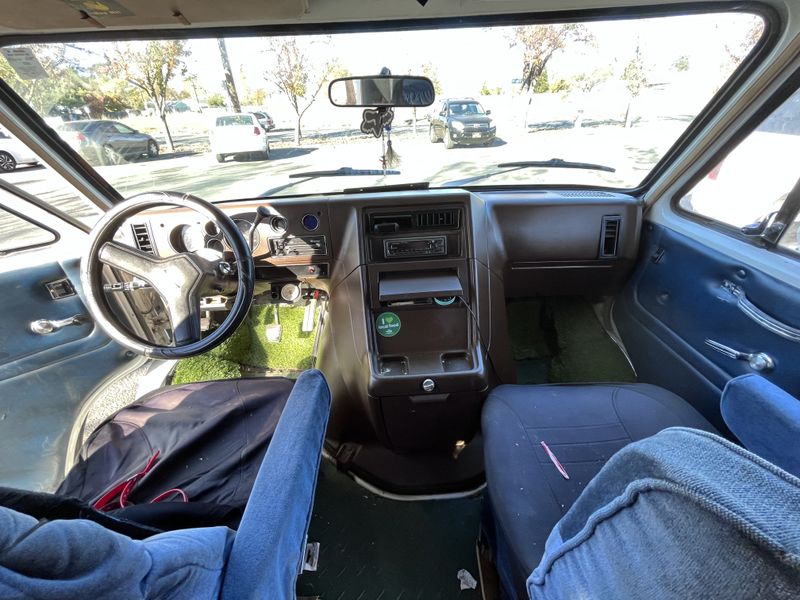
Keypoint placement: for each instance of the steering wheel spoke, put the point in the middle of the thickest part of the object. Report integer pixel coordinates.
(131, 260)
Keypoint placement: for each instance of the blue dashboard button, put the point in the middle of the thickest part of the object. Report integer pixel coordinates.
(310, 222)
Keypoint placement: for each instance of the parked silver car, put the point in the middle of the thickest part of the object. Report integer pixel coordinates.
(14, 153)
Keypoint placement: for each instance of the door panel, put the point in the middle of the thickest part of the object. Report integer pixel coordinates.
(45, 379)
(28, 297)
(677, 300)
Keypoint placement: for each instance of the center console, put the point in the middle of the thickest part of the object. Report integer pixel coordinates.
(427, 372)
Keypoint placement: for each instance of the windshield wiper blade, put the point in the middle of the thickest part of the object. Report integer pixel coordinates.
(553, 163)
(556, 163)
(309, 175)
(344, 172)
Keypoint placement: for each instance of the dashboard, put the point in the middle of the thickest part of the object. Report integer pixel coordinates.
(441, 262)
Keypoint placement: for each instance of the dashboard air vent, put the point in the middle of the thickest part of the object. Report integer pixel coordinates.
(609, 238)
(141, 235)
(437, 219)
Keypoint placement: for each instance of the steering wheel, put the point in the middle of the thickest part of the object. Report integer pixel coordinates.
(181, 280)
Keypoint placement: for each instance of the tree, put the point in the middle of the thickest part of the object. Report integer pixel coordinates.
(540, 42)
(215, 100)
(255, 97)
(542, 83)
(584, 83)
(737, 54)
(681, 64)
(297, 75)
(429, 71)
(63, 87)
(150, 67)
(635, 77)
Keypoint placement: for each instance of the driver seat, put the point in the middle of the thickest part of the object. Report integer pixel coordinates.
(81, 558)
(188, 454)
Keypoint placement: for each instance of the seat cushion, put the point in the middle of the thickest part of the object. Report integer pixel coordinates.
(583, 426)
(210, 437)
(681, 514)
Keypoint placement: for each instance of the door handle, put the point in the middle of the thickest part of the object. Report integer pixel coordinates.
(48, 326)
(758, 361)
(766, 321)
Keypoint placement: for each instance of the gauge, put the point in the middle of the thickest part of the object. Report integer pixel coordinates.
(215, 245)
(186, 238)
(310, 222)
(211, 229)
(192, 238)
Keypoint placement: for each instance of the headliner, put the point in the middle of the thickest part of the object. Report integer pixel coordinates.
(101, 18)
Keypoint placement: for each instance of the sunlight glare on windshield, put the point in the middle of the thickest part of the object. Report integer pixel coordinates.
(234, 118)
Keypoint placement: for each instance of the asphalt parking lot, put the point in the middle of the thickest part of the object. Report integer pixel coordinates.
(196, 170)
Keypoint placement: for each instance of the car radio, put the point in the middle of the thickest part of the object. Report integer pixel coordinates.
(415, 247)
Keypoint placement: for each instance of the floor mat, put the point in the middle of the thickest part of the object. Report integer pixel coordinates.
(247, 351)
(560, 340)
(372, 547)
(585, 351)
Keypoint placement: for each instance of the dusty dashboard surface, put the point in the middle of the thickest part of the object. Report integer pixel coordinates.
(537, 243)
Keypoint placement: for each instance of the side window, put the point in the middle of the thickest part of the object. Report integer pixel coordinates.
(22, 168)
(19, 233)
(753, 180)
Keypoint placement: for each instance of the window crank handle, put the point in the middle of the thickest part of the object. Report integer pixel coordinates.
(758, 361)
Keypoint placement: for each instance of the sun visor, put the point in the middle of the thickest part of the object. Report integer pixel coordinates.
(418, 284)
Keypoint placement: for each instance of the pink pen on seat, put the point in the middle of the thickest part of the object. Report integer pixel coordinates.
(555, 461)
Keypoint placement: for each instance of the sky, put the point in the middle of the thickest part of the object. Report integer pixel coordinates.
(466, 58)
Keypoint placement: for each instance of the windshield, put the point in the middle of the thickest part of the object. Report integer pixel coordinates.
(236, 118)
(465, 108)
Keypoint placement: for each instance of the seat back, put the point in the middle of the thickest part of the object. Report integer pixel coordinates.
(765, 418)
(269, 547)
(681, 514)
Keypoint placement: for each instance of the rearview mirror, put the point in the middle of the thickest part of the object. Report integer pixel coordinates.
(383, 90)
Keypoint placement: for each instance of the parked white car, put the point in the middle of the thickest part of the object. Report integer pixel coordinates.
(239, 134)
(14, 153)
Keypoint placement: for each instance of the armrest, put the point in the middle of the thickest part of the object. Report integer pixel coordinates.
(765, 418)
(270, 543)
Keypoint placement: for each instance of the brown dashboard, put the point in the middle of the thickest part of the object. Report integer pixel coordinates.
(440, 262)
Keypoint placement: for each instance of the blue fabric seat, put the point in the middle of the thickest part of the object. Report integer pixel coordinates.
(680, 513)
(583, 425)
(80, 559)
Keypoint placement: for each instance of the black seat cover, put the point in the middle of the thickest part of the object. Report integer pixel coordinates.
(583, 425)
(211, 438)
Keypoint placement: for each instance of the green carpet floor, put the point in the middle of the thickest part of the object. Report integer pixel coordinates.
(372, 547)
(248, 347)
(560, 340)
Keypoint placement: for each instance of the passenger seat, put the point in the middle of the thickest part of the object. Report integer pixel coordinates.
(582, 426)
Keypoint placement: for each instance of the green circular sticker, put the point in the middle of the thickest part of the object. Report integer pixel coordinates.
(388, 324)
